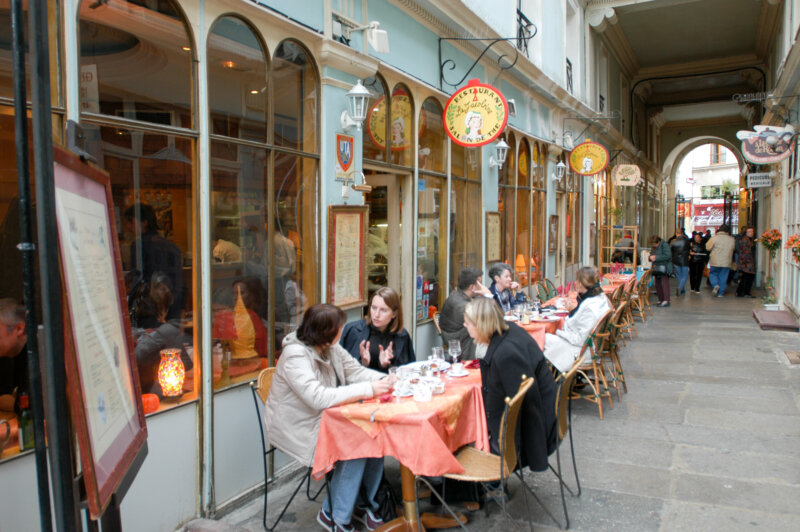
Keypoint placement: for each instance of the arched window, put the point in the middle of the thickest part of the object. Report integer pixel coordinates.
(296, 97)
(376, 129)
(507, 202)
(136, 64)
(432, 138)
(401, 128)
(523, 233)
(539, 210)
(237, 81)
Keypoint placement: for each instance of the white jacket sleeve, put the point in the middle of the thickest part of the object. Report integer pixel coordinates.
(577, 328)
(303, 380)
(353, 370)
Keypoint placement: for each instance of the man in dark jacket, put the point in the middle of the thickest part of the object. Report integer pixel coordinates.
(745, 262)
(451, 319)
(679, 245)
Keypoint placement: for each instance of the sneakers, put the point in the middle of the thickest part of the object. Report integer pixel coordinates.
(327, 523)
(663, 304)
(368, 518)
(715, 290)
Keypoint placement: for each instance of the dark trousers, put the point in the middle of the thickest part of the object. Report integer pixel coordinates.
(745, 283)
(696, 274)
(662, 287)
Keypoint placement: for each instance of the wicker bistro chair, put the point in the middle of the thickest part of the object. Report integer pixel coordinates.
(260, 389)
(609, 349)
(564, 416)
(482, 467)
(641, 298)
(551, 288)
(541, 292)
(593, 370)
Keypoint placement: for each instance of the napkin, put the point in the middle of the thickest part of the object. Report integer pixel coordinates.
(473, 364)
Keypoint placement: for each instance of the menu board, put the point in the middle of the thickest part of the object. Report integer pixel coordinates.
(101, 371)
(493, 251)
(347, 235)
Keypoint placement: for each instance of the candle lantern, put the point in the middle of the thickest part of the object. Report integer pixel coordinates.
(171, 373)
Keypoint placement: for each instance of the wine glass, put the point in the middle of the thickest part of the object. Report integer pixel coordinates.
(454, 347)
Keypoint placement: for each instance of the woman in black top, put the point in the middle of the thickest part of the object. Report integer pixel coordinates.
(379, 340)
(698, 256)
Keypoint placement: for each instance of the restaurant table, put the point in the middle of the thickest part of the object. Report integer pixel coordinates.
(422, 436)
(540, 327)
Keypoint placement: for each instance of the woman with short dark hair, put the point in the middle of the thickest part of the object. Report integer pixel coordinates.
(661, 256)
(314, 373)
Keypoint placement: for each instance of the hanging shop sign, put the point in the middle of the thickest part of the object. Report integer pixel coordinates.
(345, 169)
(760, 179)
(402, 117)
(767, 144)
(476, 114)
(588, 158)
(626, 175)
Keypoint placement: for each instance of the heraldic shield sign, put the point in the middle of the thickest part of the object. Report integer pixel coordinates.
(475, 115)
(344, 158)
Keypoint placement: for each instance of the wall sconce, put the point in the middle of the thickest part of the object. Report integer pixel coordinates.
(561, 169)
(356, 112)
(171, 373)
(377, 38)
(501, 151)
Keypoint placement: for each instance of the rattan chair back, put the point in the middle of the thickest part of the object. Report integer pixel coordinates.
(264, 383)
(508, 446)
(562, 399)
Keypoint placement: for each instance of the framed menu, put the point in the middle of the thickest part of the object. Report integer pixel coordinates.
(493, 250)
(103, 381)
(347, 254)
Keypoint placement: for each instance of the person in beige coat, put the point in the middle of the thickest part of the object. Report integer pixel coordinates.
(721, 246)
(314, 373)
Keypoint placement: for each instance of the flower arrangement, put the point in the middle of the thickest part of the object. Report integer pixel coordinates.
(793, 243)
(772, 241)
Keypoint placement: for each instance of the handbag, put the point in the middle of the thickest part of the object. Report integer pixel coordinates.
(660, 269)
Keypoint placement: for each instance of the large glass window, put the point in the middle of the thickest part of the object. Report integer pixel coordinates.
(507, 203)
(151, 171)
(523, 228)
(401, 129)
(432, 206)
(296, 94)
(539, 210)
(375, 126)
(465, 197)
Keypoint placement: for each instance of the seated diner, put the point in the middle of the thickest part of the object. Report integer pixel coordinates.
(563, 347)
(512, 353)
(313, 373)
(504, 288)
(379, 340)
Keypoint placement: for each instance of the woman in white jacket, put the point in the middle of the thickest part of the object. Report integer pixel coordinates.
(562, 348)
(313, 373)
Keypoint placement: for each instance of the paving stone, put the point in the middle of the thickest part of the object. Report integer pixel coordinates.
(765, 497)
(778, 401)
(765, 423)
(681, 515)
(751, 466)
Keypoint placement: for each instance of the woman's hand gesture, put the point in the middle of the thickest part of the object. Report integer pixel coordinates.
(363, 348)
(381, 386)
(386, 355)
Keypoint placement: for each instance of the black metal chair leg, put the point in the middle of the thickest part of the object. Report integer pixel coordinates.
(286, 507)
(561, 484)
(572, 447)
(417, 480)
(308, 488)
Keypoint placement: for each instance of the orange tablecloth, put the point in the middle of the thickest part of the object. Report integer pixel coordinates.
(538, 329)
(421, 436)
(571, 300)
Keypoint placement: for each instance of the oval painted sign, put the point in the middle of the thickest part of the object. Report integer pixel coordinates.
(475, 115)
(588, 158)
(402, 117)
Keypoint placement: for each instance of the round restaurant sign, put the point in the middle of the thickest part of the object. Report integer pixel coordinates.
(588, 158)
(475, 115)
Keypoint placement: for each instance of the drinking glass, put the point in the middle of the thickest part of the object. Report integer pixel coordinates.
(437, 353)
(455, 350)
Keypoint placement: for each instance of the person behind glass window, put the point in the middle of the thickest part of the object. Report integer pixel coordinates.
(379, 340)
(315, 373)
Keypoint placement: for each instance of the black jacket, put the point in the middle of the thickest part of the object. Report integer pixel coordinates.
(451, 320)
(509, 356)
(699, 248)
(680, 251)
(357, 331)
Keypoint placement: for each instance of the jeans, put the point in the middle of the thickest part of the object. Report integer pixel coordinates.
(348, 477)
(682, 272)
(718, 276)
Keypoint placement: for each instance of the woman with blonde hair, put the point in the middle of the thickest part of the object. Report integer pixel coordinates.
(379, 340)
(510, 354)
(562, 348)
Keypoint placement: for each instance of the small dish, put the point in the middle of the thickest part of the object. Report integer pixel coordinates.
(463, 373)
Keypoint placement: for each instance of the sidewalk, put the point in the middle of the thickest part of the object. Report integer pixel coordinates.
(707, 438)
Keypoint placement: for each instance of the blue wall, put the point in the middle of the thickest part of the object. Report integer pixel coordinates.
(553, 17)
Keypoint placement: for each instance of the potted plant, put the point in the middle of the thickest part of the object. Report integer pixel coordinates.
(771, 240)
(793, 244)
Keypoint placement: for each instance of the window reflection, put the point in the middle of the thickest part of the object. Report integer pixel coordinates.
(294, 79)
(375, 125)
(432, 141)
(401, 128)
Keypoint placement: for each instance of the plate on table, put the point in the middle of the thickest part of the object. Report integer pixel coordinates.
(417, 366)
(463, 373)
(510, 318)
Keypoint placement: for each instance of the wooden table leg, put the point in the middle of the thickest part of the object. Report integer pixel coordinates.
(408, 521)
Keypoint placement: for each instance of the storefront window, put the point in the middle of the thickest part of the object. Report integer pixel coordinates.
(465, 226)
(237, 81)
(375, 126)
(116, 41)
(507, 203)
(296, 94)
(539, 210)
(523, 230)
(432, 141)
(432, 207)
(573, 221)
(401, 130)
